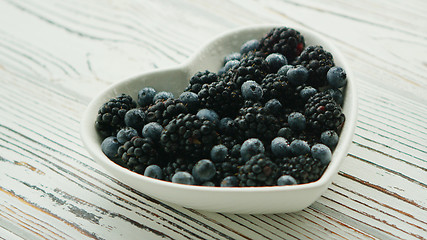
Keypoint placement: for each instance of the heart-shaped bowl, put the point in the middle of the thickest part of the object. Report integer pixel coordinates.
(250, 200)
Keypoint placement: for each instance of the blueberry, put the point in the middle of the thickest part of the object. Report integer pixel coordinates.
(285, 132)
(296, 121)
(145, 96)
(286, 180)
(337, 95)
(274, 106)
(299, 147)
(307, 92)
(221, 71)
(227, 126)
(218, 153)
(329, 138)
(275, 61)
(251, 90)
(232, 56)
(204, 170)
(336, 77)
(191, 100)
(248, 46)
(208, 114)
(135, 118)
(250, 148)
(162, 95)
(297, 76)
(152, 130)
(230, 64)
(321, 152)
(284, 70)
(208, 184)
(230, 181)
(183, 178)
(280, 147)
(126, 134)
(109, 147)
(153, 171)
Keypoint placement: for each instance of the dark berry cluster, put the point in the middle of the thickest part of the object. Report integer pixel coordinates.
(270, 116)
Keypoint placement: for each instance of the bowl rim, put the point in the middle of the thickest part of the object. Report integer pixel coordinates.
(87, 129)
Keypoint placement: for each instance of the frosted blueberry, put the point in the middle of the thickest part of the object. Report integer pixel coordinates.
(162, 95)
(145, 96)
(109, 147)
(135, 118)
(228, 65)
(230, 181)
(153, 171)
(218, 153)
(336, 77)
(280, 147)
(248, 46)
(299, 147)
(251, 90)
(126, 134)
(297, 76)
(307, 92)
(275, 61)
(232, 56)
(284, 70)
(250, 148)
(274, 106)
(190, 99)
(286, 180)
(183, 178)
(204, 170)
(208, 114)
(296, 121)
(321, 152)
(329, 138)
(152, 130)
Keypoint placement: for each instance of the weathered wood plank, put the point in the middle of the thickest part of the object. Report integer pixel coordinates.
(51, 189)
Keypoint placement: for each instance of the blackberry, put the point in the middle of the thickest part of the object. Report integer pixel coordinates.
(258, 171)
(224, 97)
(111, 115)
(187, 135)
(323, 113)
(163, 111)
(283, 40)
(252, 66)
(230, 166)
(255, 121)
(274, 86)
(228, 141)
(227, 127)
(303, 168)
(290, 135)
(138, 153)
(318, 62)
(176, 165)
(200, 78)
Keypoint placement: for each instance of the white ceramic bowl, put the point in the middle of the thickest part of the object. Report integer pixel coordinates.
(230, 199)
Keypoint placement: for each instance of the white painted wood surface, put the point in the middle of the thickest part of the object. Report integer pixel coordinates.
(55, 55)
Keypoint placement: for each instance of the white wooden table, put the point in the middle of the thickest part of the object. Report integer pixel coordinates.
(55, 55)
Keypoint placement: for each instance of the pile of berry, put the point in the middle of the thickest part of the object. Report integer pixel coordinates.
(270, 116)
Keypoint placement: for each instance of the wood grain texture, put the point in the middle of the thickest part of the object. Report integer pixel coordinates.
(55, 55)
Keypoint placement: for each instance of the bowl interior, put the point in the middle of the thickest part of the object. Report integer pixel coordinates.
(239, 199)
